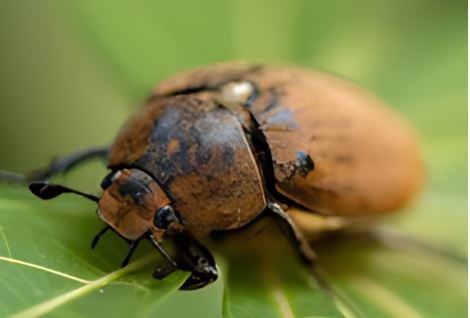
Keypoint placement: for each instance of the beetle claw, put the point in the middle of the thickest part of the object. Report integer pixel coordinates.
(198, 280)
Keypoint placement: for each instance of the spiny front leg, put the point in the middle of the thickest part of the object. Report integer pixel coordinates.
(194, 257)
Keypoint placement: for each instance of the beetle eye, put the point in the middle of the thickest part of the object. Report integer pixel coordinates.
(106, 181)
(164, 217)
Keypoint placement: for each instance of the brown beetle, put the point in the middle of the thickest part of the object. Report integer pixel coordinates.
(214, 148)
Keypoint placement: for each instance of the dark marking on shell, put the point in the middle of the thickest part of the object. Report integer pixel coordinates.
(304, 163)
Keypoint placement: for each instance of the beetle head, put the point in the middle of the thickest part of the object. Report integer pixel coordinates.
(133, 204)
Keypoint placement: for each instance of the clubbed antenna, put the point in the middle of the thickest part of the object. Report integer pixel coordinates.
(48, 191)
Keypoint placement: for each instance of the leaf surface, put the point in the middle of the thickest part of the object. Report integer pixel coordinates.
(48, 267)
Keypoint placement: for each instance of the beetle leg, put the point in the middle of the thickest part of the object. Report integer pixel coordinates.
(395, 239)
(131, 251)
(161, 250)
(164, 270)
(9, 176)
(194, 257)
(64, 164)
(293, 232)
(97, 237)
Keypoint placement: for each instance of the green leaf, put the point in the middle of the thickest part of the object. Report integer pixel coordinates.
(263, 274)
(48, 267)
(367, 278)
(395, 282)
(264, 277)
(411, 53)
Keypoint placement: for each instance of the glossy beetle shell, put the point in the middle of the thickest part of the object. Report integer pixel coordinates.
(366, 158)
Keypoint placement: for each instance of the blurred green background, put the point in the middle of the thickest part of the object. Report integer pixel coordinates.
(72, 71)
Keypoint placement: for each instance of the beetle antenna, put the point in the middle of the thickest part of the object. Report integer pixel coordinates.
(48, 191)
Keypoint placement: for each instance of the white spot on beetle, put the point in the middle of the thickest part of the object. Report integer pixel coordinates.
(116, 176)
(238, 92)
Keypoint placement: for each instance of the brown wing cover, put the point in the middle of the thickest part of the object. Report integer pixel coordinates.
(198, 152)
(366, 157)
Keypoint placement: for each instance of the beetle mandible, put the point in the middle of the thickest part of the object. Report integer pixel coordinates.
(216, 147)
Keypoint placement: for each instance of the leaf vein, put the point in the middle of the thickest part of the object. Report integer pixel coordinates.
(7, 245)
(283, 302)
(42, 268)
(51, 304)
(384, 297)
